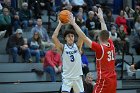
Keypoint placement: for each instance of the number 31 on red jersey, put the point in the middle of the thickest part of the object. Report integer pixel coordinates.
(110, 55)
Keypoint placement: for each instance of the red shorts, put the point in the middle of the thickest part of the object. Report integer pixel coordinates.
(105, 86)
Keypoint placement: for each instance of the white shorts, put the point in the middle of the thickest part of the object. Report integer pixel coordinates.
(76, 84)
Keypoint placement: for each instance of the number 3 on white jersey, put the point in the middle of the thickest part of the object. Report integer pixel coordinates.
(71, 58)
(110, 55)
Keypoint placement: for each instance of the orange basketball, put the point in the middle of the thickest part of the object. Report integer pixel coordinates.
(64, 16)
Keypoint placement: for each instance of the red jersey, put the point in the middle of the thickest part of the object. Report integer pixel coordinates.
(105, 65)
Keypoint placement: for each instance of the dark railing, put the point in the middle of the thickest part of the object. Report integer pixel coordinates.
(123, 61)
(51, 19)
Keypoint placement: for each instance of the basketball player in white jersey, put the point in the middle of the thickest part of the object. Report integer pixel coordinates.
(71, 58)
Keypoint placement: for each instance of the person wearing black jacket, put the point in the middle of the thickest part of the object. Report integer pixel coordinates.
(16, 46)
(88, 83)
(38, 5)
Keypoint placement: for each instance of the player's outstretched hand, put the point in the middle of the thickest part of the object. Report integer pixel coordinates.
(71, 19)
(100, 13)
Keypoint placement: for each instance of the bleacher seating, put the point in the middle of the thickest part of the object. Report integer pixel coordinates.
(39, 87)
(138, 73)
(19, 67)
(26, 77)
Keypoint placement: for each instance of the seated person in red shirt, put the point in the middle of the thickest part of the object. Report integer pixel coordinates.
(52, 63)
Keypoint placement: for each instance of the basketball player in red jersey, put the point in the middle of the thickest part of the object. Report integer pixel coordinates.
(105, 57)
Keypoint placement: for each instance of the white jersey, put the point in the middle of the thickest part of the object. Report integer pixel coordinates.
(72, 64)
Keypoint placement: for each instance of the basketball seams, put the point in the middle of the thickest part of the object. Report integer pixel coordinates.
(63, 16)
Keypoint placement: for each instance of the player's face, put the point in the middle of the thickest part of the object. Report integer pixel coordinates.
(69, 38)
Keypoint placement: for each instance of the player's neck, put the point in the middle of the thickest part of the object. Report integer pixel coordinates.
(70, 45)
(105, 42)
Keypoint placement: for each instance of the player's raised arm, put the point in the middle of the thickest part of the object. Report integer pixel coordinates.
(80, 43)
(100, 16)
(79, 31)
(55, 39)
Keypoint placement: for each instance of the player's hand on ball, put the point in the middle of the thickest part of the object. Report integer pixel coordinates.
(71, 19)
(64, 16)
(60, 22)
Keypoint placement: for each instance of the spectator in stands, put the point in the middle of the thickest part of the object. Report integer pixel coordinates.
(45, 40)
(13, 13)
(84, 15)
(81, 23)
(135, 66)
(65, 2)
(25, 16)
(129, 15)
(89, 3)
(109, 20)
(52, 63)
(88, 83)
(114, 36)
(35, 6)
(35, 46)
(38, 5)
(16, 22)
(85, 62)
(7, 3)
(121, 20)
(67, 7)
(137, 12)
(136, 42)
(123, 40)
(137, 25)
(49, 6)
(128, 12)
(92, 23)
(94, 8)
(5, 22)
(78, 3)
(15, 46)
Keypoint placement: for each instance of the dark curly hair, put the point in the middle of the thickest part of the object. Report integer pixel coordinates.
(70, 31)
